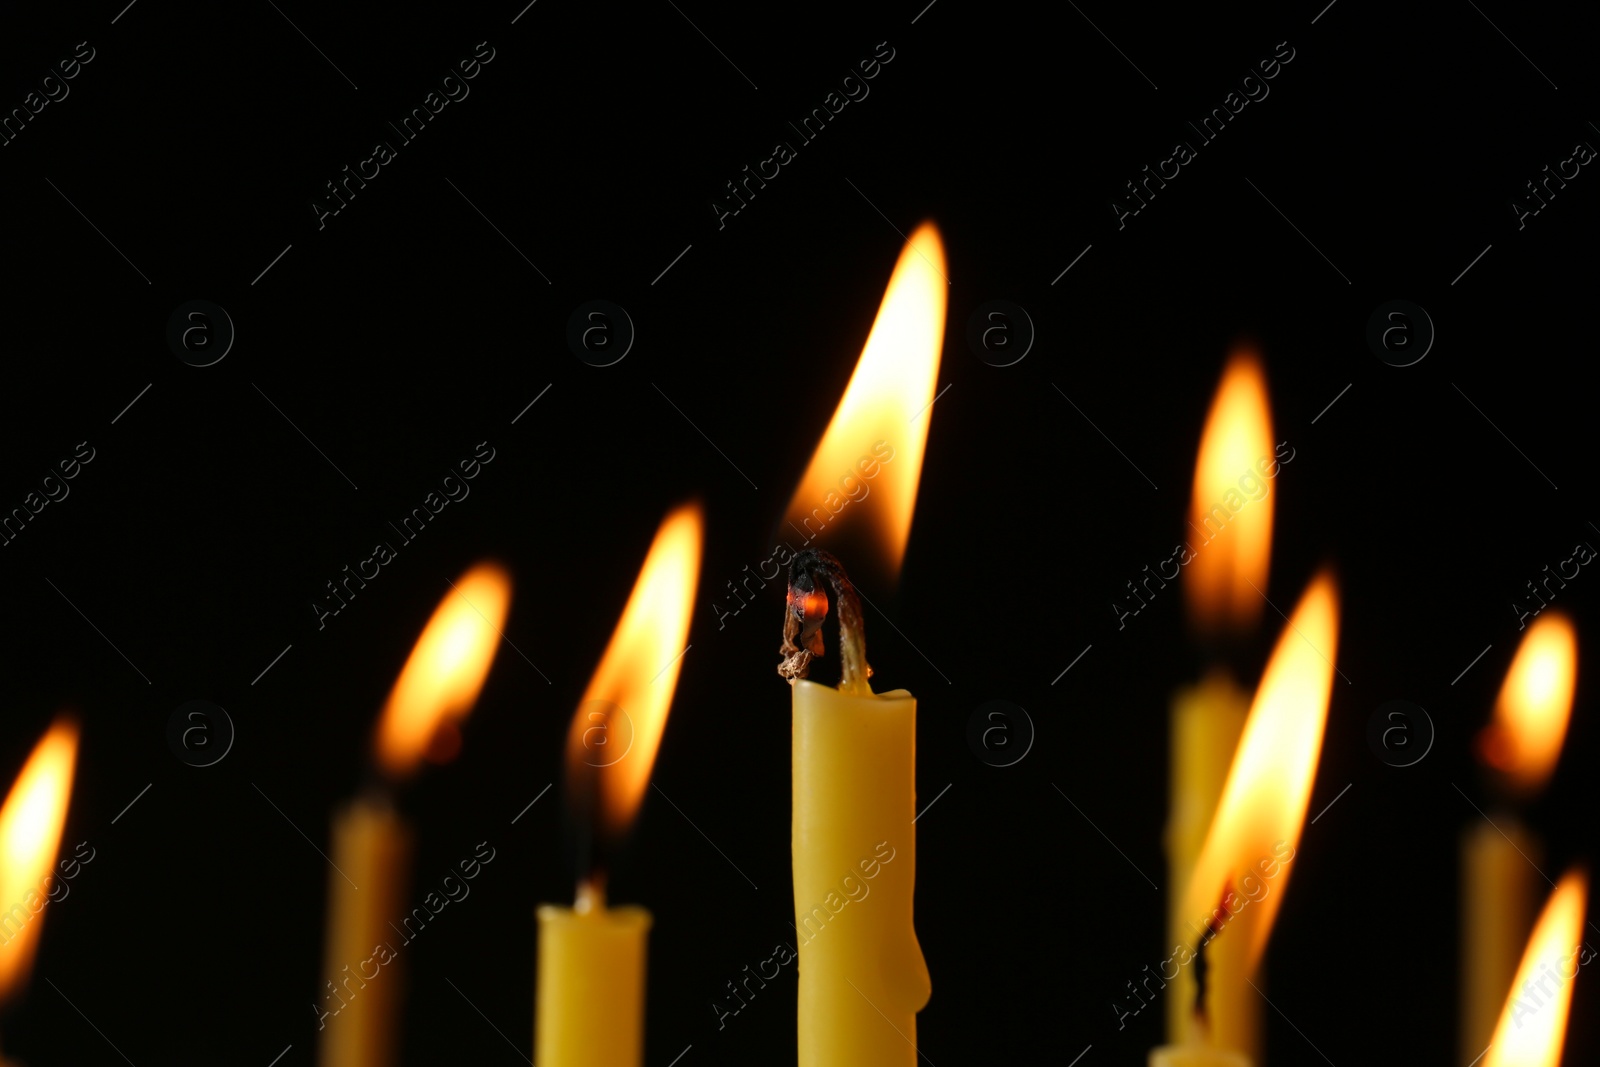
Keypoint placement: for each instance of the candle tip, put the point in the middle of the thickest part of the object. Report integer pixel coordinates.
(591, 895)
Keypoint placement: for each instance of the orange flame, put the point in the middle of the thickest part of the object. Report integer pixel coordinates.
(441, 679)
(1269, 785)
(31, 823)
(1530, 717)
(1534, 1021)
(617, 729)
(868, 463)
(1232, 505)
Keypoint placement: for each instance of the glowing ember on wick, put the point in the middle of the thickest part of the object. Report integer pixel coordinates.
(808, 607)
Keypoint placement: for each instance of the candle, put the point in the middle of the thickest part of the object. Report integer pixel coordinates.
(1243, 869)
(371, 846)
(359, 1019)
(590, 1007)
(1196, 1056)
(1225, 570)
(31, 824)
(589, 1003)
(1533, 1022)
(862, 975)
(1207, 720)
(1499, 856)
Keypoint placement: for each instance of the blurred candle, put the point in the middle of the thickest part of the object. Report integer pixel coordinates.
(1500, 857)
(1224, 573)
(589, 1002)
(1533, 1023)
(1243, 869)
(371, 846)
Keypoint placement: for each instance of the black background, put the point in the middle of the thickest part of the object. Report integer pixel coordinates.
(407, 330)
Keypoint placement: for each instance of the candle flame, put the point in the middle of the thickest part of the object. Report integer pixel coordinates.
(1530, 717)
(31, 823)
(1231, 511)
(446, 669)
(1534, 1021)
(1264, 802)
(616, 731)
(867, 466)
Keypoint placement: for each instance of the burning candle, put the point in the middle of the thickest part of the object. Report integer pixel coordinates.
(1499, 886)
(371, 844)
(31, 823)
(1231, 516)
(1533, 1022)
(1242, 871)
(862, 975)
(589, 1006)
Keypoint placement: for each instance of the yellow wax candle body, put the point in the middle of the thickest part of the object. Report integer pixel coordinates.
(1207, 720)
(589, 1006)
(1195, 1056)
(1499, 898)
(362, 988)
(862, 975)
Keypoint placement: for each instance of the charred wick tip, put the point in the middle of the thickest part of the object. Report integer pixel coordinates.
(1213, 928)
(804, 610)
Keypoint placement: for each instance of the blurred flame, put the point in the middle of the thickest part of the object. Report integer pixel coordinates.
(637, 675)
(1534, 1020)
(1237, 436)
(1269, 784)
(441, 679)
(883, 411)
(1530, 716)
(31, 823)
